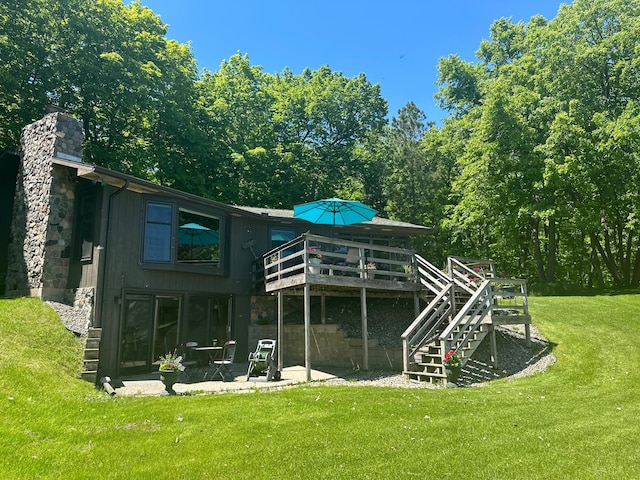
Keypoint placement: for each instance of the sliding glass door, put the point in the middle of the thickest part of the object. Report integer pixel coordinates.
(136, 334)
(150, 326)
(155, 324)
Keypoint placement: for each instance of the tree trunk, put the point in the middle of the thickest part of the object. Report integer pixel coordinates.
(535, 236)
(635, 278)
(608, 261)
(551, 252)
(605, 251)
(595, 263)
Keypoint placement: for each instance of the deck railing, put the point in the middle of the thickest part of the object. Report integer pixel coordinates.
(311, 255)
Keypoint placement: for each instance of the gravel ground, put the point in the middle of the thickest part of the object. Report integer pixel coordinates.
(515, 360)
(75, 319)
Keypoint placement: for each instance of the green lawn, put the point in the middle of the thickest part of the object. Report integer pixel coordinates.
(578, 420)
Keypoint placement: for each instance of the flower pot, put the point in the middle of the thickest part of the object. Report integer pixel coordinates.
(314, 267)
(453, 373)
(169, 378)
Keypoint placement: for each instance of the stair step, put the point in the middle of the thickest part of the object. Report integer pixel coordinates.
(425, 377)
(91, 353)
(89, 376)
(94, 333)
(91, 365)
(437, 369)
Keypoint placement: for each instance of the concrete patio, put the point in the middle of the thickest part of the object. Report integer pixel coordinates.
(150, 384)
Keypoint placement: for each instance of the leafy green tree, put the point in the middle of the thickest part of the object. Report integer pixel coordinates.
(109, 65)
(549, 162)
(328, 115)
(28, 38)
(407, 184)
(286, 138)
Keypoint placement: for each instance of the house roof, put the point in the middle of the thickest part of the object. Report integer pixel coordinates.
(377, 223)
(284, 216)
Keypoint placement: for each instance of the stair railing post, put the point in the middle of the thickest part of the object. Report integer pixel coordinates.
(452, 290)
(525, 310)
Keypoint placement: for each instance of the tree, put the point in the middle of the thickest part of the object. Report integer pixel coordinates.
(286, 138)
(28, 40)
(407, 184)
(549, 169)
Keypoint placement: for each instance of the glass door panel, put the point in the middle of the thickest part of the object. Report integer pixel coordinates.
(167, 326)
(137, 329)
(198, 320)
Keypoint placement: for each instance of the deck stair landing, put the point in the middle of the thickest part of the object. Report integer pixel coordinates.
(469, 302)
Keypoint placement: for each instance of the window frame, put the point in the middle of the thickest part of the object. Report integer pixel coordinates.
(172, 264)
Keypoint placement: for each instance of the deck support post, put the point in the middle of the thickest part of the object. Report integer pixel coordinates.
(494, 347)
(280, 329)
(416, 304)
(307, 330)
(323, 312)
(365, 333)
(527, 331)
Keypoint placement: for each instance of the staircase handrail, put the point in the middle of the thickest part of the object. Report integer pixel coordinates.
(430, 276)
(499, 290)
(470, 317)
(434, 315)
(425, 326)
(466, 277)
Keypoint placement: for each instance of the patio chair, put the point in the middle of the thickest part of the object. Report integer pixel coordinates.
(223, 367)
(352, 260)
(189, 360)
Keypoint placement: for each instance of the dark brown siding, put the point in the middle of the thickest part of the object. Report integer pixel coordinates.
(124, 271)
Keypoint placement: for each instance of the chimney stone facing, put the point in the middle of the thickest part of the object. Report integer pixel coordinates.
(42, 225)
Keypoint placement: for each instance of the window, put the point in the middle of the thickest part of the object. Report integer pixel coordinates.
(157, 232)
(280, 236)
(179, 237)
(198, 238)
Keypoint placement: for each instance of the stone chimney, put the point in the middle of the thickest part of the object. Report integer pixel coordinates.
(41, 229)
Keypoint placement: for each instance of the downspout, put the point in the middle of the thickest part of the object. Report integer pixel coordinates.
(103, 257)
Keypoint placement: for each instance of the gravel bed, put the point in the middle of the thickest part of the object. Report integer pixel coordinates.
(75, 319)
(515, 360)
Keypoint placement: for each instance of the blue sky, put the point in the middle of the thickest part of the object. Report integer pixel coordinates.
(395, 43)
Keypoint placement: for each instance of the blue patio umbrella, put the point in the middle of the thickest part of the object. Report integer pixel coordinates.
(334, 211)
(196, 235)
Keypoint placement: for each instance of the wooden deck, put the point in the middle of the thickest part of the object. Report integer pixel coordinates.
(464, 304)
(333, 264)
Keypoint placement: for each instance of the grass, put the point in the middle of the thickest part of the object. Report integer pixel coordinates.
(577, 420)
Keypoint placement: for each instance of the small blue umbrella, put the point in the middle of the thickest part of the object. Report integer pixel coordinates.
(334, 211)
(196, 235)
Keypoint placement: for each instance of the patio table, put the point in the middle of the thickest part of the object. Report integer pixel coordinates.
(213, 353)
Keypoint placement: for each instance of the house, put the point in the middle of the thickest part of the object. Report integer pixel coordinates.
(152, 267)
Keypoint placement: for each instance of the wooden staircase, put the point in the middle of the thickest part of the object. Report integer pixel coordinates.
(91, 355)
(464, 305)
